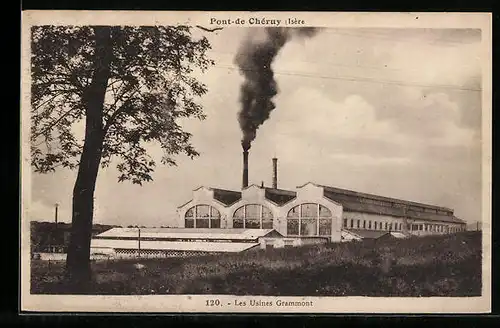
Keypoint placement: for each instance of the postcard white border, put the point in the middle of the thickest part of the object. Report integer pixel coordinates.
(197, 303)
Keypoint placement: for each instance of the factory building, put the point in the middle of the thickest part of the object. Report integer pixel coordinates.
(217, 220)
(313, 212)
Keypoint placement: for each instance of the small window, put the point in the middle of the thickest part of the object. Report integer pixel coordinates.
(214, 223)
(375, 225)
(358, 224)
(345, 223)
(202, 216)
(255, 216)
(309, 210)
(364, 224)
(386, 226)
(308, 227)
(189, 223)
(202, 222)
(352, 223)
(293, 226)
(238, 223)
(325, 227)
(369, 224)
(324, 212)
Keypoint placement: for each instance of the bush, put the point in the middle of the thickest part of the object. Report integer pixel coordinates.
(447, 265)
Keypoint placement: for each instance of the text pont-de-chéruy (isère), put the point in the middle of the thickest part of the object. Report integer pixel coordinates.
(257, 21)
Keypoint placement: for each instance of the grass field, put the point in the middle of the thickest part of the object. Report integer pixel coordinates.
(447, 265)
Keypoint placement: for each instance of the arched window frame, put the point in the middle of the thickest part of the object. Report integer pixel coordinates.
(213, 218)
(265, 222)
(318, 217)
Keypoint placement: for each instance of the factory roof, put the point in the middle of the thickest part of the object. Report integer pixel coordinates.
(221, 247)
(279, 196)
(226, 197)
(356, 206)
(187, 234)
(353, 201)
(361, 195)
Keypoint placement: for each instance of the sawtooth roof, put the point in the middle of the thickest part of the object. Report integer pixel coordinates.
(280, 196)
(226, 197)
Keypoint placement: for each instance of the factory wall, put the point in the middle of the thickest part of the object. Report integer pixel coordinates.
(310, 194)
(367, 221)
(253, 196)
(358, 220)
(204, 196)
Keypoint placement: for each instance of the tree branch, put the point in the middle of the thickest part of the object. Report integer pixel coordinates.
(52, 124)
(117, 112)
(209, 29)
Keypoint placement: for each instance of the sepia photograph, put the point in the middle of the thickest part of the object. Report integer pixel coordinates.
(256, 162)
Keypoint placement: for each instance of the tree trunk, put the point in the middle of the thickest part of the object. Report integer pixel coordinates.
(78, 271)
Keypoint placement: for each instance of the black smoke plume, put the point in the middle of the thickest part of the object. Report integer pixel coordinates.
(254, 60)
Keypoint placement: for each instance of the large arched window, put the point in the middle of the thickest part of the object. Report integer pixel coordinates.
(253, 216)
(202, 216)
(309, 220)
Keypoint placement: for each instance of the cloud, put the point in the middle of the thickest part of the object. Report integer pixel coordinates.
(433, 117)
(311, 112)
(457, 65)
(361, 159)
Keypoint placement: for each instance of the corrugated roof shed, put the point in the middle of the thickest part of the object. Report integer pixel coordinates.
(189, 233)
(367, 234)
(396, 234)
(172, 246)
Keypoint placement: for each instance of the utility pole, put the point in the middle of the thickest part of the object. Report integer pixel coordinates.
(57, 206)
(55, 229)
(139, 242)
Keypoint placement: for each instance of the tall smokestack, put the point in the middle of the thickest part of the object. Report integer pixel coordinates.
(275, 173)
(245, 168)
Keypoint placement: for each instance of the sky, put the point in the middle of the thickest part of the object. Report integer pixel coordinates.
(393, 112)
